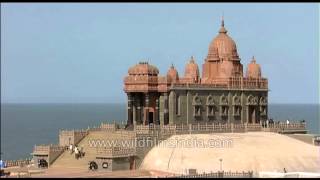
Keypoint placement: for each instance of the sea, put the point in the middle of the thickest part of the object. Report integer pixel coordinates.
(26, 125)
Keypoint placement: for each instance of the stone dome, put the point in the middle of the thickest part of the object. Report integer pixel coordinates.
(172, 74)
(253, 69)
(191, 70)
(143, 68)
(222, 46)
(257, 151)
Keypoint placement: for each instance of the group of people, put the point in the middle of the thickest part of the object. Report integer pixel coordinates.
(271, 122)
(267, 122)
(42, 163)
(79, 153)
(2, 164)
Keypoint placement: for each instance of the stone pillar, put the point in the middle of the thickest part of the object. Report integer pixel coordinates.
(247, 112)
(146, 111)
(129, 110)
(134, 111)
(242, 107)
(138, 111)
(254, 115)
(166, 111)
(230, 109)
(156, 115)
(188, 107)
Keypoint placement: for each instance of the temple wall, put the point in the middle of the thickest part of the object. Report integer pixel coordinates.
(161, 109)
(187, 108)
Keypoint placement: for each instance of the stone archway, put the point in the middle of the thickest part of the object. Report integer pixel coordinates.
(252, 109)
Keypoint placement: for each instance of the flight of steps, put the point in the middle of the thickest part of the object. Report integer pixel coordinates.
(67, 160)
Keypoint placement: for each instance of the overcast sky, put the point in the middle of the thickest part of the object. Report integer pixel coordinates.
(55, 52)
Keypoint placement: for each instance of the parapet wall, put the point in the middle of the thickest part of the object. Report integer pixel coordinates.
(67, 137)
(48, 152)
(21, 162)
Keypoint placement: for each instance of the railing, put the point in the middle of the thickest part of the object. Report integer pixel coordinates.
(282, 127)
(219, 174)
(254, 127)
(192, 128)
(248, 83)
(140, 80)
(125, 134)
(108, 126)
(239, 128)
(41, 149)
(46, 149)
(160, 83)
(74, 135)
(215, 128)
(217, 82)
(288, 126)
(22, 162)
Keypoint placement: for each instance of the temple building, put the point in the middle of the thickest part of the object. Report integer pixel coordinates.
(222, 94)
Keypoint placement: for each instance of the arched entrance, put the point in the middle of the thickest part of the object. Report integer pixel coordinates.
(253, 111)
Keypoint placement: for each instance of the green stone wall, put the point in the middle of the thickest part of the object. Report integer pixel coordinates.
(186, 107)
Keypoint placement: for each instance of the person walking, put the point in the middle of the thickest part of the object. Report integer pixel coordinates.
(81, 152)
(71, 148)
(2, 165)
(76, 152)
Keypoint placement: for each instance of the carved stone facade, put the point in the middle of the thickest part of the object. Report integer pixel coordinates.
(223, 94)
(208, 105)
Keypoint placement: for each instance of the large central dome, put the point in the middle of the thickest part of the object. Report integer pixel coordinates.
(222, 46)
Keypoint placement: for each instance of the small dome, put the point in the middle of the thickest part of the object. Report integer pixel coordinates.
(172, 74)
(143, 68)
(223, 46)
(253, 70)
(226, 68)
(191, 70)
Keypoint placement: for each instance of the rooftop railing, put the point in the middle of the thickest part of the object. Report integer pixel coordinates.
(229, 83)
(232, 82)
(46, 149)
(20, 162)
(219, 174)
(216, 127)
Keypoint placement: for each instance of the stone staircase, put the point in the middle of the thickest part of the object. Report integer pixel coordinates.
(67, 160)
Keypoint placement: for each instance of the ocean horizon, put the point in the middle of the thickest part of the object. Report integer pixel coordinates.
(24, 125)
